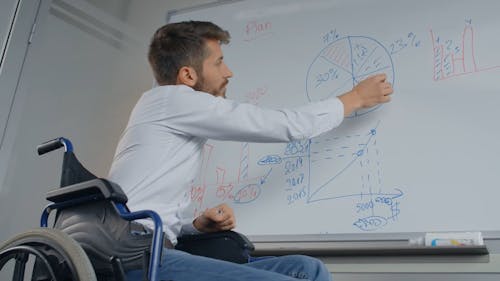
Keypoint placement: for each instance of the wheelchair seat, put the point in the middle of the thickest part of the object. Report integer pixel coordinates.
(113, 245)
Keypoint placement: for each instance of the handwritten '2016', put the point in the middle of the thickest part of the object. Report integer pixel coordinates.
(297, 195)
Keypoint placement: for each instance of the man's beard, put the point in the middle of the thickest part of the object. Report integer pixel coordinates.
(200, 86)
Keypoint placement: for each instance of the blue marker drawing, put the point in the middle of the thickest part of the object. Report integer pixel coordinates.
(270, 159)
(370, 223)
(343, 64)
(373, 207)
(357, 155)
(299, 170)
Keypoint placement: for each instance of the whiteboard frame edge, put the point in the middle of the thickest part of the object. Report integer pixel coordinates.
(198, 7)
(354, 237)
(344, 237)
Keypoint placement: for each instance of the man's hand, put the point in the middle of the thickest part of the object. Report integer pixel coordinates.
(369, 92)
(216, 219)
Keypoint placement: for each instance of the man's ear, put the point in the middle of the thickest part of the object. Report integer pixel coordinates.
(187, 76)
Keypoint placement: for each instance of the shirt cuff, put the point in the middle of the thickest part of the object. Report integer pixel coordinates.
(333, 110)
(339, 110)
(189, 229)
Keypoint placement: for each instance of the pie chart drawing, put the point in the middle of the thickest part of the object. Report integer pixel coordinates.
(343, 64)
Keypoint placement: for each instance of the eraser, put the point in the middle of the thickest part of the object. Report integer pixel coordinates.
(454, 239)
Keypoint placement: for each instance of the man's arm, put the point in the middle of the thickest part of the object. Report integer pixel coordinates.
(200, 114)
(369, 92)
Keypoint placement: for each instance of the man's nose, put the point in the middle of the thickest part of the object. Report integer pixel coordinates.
(228, 73)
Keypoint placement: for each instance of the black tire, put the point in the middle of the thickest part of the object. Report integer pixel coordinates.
(58, 244)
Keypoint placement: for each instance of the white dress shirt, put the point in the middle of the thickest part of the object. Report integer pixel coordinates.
(160, 151)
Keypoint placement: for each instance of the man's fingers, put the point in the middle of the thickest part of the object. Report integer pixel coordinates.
(385, 99)
(222, 217)
(386, 88)
(380, 77)
(220, 214)
(227, 224)
(217, 215)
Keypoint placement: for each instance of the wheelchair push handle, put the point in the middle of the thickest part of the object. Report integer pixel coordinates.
(54, 144)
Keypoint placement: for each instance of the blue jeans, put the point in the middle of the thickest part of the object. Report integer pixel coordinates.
(180, 266)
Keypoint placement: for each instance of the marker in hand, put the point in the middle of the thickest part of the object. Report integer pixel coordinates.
(215, 219)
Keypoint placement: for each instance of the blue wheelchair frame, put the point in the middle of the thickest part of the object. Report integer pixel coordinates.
(124, 212)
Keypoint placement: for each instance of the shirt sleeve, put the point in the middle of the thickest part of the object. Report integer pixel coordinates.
(188, 228)
(203, 115)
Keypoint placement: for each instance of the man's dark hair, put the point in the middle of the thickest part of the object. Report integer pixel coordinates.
(181, 44)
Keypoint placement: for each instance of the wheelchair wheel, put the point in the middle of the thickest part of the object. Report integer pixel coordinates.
(50, 255)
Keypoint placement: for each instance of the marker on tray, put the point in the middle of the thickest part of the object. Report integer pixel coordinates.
(457, 239)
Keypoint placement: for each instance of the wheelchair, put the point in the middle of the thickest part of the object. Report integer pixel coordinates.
(94, 237)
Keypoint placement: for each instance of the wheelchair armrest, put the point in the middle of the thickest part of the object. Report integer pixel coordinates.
(101, 188)
(246, 242)
(225, 245)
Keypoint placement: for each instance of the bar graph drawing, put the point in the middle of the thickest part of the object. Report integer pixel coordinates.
(452, 58)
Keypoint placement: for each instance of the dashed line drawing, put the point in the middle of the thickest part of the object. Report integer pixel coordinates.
(301, 161)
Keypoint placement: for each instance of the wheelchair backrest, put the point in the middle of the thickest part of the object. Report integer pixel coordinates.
(87, 211)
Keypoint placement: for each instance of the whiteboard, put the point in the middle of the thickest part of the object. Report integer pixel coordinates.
(427, 161)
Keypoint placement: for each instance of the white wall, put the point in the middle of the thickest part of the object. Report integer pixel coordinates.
(7, 13)
(83, 72)
(8, 10)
